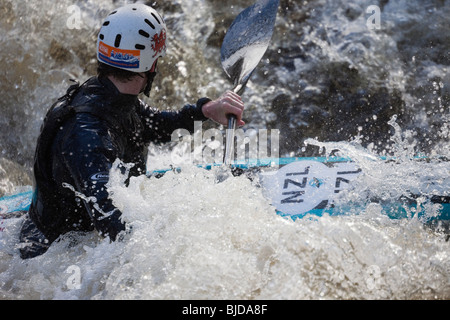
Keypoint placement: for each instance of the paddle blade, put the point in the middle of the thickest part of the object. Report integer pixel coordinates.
(247, 40)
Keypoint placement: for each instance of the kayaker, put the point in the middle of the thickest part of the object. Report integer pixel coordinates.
(101, 121)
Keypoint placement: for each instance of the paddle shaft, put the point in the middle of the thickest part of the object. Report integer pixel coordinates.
(232, 120)
(242, 48)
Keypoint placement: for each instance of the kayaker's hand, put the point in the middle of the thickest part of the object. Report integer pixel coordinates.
(228, 103)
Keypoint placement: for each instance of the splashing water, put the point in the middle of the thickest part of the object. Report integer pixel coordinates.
(186, 242)
(193, 238)
(400, 172)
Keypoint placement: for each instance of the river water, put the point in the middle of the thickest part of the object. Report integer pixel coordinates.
(337, 76)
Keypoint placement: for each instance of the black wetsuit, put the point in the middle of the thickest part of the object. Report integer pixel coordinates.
(84, 133)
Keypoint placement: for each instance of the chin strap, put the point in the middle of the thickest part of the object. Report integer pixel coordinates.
(148, 87)
(151, 74)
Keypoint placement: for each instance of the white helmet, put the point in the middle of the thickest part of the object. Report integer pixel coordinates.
(132, 38)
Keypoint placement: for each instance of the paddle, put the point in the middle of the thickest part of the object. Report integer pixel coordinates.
(244, 45)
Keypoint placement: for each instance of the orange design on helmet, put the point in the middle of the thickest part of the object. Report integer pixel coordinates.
(159, 42)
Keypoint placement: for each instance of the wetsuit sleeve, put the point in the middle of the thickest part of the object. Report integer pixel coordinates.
(88, 154)
(161, 124)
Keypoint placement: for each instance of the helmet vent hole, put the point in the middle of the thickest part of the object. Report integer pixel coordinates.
(140, 46)
(117, 41)
(149, 23)
(112, 13)
(154, 16)
(106, 23)
(101, 36)
(143, 33)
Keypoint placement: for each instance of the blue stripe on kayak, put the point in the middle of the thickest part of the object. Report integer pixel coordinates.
(16, 202)
(394, 211)
(18, 195)
(266, 162)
